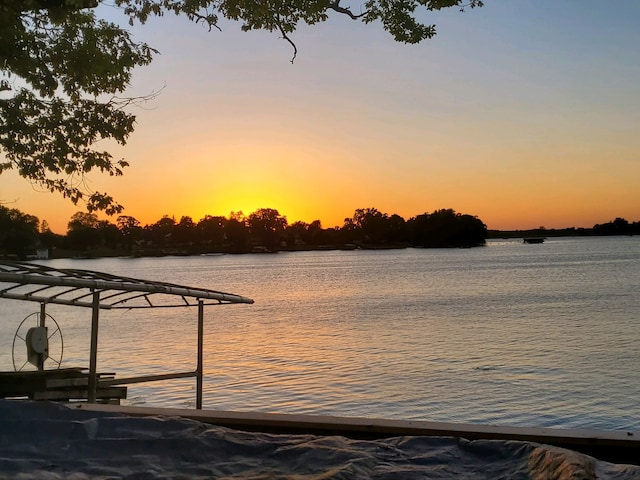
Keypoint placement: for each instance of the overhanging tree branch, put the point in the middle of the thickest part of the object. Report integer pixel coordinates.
(335, 6)
(286, 37)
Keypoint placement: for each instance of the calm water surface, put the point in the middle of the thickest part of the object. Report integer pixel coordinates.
(513, 334)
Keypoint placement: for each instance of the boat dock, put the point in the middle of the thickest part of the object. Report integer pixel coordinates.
(95, 291)
(63, 384)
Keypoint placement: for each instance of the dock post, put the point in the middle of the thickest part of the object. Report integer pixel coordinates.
(43, 323)
(93, 354)
(200, 348)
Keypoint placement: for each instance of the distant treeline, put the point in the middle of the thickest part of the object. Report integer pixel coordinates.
(619, 226)
(265, 230)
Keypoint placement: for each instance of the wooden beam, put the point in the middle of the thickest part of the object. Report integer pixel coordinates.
(79, 394)
(145, 378)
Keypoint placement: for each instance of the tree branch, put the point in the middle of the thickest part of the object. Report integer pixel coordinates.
(286, 37)
(206, 19)
(346, 11)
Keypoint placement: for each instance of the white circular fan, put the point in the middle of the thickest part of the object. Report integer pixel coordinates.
(37, 343)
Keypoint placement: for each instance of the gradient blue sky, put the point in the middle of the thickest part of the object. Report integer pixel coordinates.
(524, 113)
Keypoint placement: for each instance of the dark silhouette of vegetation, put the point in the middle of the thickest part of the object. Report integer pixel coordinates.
(264, 230)
(446, 228)
(266, 227)
(619, 226)
(18, 232)
(369, 226)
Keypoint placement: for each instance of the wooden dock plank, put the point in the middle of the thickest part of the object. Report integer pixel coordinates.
(115, 393)
(63, 384)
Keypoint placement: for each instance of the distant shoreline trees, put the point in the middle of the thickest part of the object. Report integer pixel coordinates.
(619, 226)
(264, 230)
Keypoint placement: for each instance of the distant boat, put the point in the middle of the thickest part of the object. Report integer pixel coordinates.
(533, 239)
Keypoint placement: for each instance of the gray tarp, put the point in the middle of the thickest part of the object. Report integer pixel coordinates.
(47, 440)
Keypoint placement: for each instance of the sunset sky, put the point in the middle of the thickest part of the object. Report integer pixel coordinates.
(524, 113)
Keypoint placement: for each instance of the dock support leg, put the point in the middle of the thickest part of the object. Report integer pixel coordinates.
(93, 355)
(200, 348)
(43, 323)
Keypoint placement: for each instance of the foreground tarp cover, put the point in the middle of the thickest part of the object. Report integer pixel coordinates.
(51, 441)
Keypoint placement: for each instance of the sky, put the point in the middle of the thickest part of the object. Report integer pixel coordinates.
(522, 113)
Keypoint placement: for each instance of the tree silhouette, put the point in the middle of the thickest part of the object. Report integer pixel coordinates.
(160, 233)
(211, 230)
(109, 234)
(61, 71)
(619, 226)
(267, 226)
(18, 232)
(372, 227)
(446, 228)
(184, 232)
(130, 230)
(82, 231)
(237, 233)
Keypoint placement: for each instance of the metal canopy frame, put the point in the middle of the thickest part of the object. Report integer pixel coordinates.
(95, 290)
(43, 284)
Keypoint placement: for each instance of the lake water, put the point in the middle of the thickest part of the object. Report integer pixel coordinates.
(511, 334)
